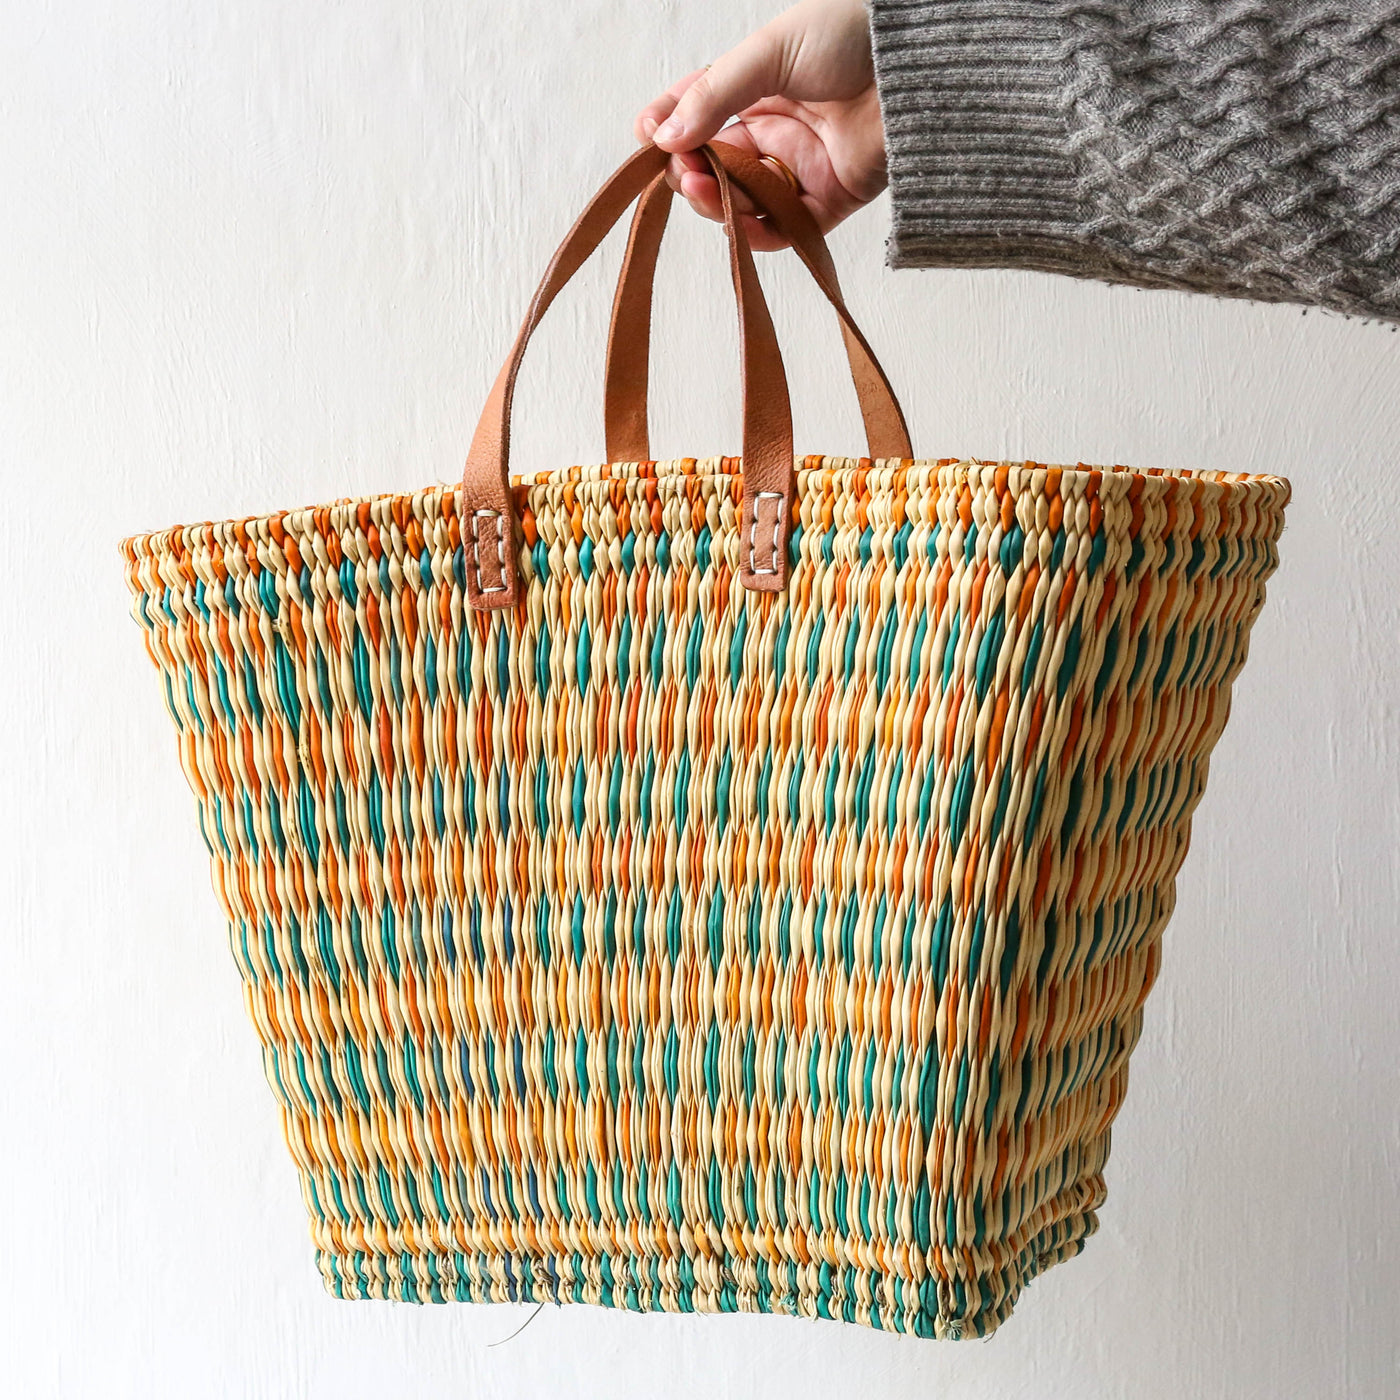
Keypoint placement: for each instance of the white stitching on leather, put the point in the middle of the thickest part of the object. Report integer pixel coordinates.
(500, 552)
(777, 527)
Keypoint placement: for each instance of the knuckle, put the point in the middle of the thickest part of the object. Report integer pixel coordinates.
(699, 96)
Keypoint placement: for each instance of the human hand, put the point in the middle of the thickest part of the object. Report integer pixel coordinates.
(803, 90)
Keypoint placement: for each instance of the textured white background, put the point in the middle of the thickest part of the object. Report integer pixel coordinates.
(256, 255)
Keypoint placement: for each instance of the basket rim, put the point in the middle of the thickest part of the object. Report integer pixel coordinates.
(605, 479)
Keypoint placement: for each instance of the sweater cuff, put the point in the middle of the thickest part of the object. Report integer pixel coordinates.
(974, 96)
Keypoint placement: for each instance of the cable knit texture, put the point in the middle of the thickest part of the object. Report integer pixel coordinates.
(1244, 148)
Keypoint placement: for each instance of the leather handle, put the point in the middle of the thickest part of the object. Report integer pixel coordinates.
(626, 380)
(489, 536)
(628, 369)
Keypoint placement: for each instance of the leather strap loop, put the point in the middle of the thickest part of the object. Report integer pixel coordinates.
(628, 370)
(769, 498)
(488, 517)
(770, 475)
(626, 380)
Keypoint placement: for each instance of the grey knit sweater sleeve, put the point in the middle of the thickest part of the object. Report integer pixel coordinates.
(1249, 148)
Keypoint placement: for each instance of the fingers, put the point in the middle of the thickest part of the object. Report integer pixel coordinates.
(702, 190)
(696, 108)
(654, 113)
(703, 193)
(705, 101)
(686, 162)
(691, 171)
(689, 161)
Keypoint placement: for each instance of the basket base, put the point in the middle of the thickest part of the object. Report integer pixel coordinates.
(872, 1297)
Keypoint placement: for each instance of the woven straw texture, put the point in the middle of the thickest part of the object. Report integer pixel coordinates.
(663, 944)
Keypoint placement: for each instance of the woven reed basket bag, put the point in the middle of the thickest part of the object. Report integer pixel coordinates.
(721, 885)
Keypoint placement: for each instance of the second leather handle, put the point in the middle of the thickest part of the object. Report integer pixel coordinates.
(769, 481)
(627, 377)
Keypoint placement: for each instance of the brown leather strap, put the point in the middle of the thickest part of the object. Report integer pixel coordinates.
(770, 476)
(769, 484)
(626, 379)
(488, 518)
(629, 333)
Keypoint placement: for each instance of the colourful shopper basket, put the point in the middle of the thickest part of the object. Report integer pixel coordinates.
(721, 885)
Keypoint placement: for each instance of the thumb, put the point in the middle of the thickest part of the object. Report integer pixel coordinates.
(748, 73)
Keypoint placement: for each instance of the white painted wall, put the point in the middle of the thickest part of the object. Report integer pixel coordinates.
(256, 255)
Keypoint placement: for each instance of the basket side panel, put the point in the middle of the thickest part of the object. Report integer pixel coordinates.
(667, 945)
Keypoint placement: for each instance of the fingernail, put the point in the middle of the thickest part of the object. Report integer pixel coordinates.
(669, 130)
(649, 127)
